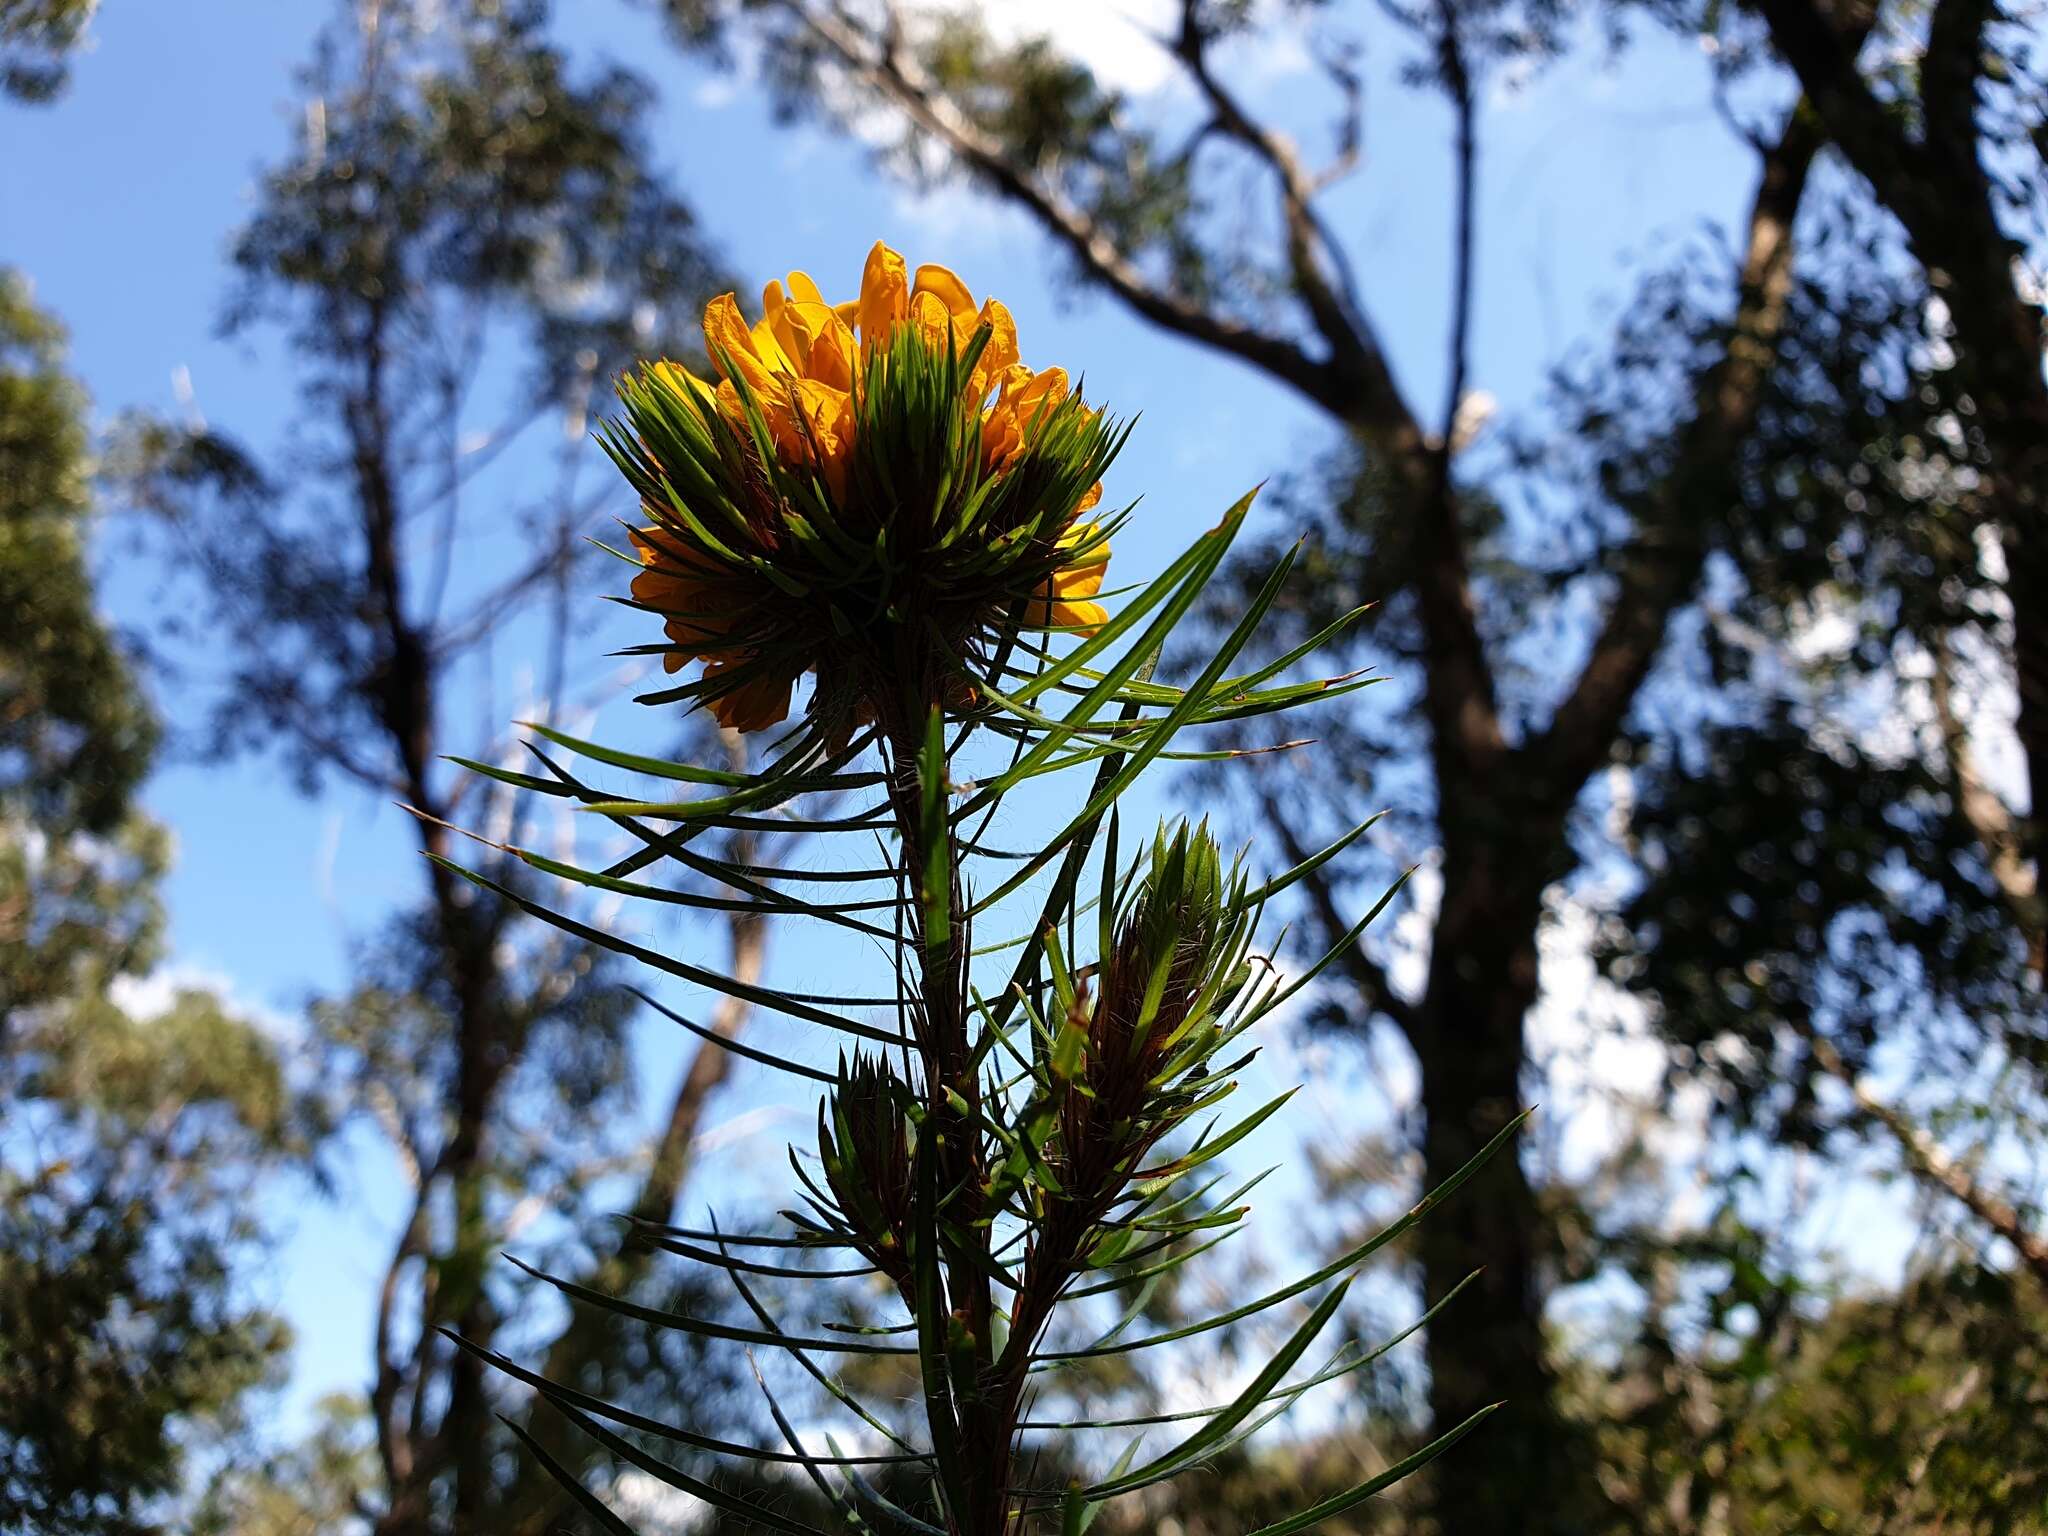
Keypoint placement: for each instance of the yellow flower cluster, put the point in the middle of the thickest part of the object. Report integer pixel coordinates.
(801, 363)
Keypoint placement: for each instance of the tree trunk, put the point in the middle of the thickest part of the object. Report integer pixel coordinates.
(1517, 1474)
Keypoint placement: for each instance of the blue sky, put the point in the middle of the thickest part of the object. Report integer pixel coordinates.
(120, 200)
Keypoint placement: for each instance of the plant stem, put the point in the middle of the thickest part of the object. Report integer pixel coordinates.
(985, 1404)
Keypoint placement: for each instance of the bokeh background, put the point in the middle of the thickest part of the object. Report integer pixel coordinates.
(1667, 376)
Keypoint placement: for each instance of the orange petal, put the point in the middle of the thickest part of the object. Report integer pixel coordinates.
(663, 547)
(754, 705)
(666, 593)
(933, 320)
(1086, 617)
(947, 289)
(1000, 355)
(829, 359)
(732, 345)
(829, 415)
(884, 295)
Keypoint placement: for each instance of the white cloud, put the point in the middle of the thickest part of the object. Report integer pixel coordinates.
(152, 996)
(1119, 40)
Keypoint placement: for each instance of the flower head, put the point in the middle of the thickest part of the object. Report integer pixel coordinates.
(878, 492)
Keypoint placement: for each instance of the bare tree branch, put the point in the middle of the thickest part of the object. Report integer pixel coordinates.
(1354, 382)
(1367, 974)
(1662, 566)
(1821, 46)
(1931, 1163)
(1460, 696)
(1312, 254)
(1988, 815)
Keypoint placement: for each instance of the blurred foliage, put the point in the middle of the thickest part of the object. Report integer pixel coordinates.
(75, 734)
(317, 1486)
(37, 39)
(465, 238)
(130, 1142)
(1774, 1410)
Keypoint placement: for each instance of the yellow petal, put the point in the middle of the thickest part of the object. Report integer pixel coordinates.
(948, 289)
(884, 295)
(768, 345)
(803, 290)
(732, 345)
(1079, 580)
(933, 320)
(777, 315)
(1000, 355)
(1055, 613)
(1008, 425)
(1040, 392)
(829, 353)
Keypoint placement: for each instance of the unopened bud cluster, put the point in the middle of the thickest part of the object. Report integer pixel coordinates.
(1132, 1047)
(866, 1149)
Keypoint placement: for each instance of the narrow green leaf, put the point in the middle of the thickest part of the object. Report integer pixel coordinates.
(1337, 1266)
(682, 1322)
(1204, 1441)
(593, 1506)
(1316, 1514)
(676, 1477)
(569, 1396)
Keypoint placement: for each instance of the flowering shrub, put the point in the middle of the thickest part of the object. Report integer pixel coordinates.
(882, 496)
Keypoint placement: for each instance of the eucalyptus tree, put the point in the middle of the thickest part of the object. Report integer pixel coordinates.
(1612, 602)
(467, 232)
(131, 1136)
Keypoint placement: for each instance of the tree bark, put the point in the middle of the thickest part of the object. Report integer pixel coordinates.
(1469, 1034)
